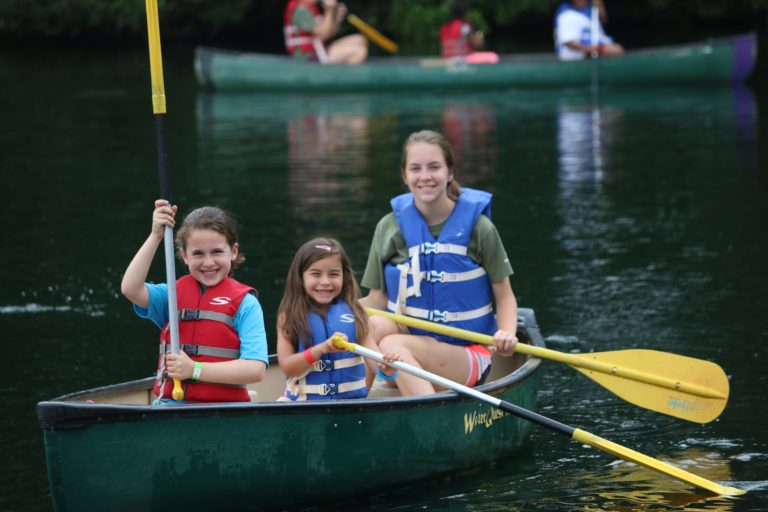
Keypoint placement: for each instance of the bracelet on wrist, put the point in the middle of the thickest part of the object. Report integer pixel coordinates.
(308, 357)
(383, 376)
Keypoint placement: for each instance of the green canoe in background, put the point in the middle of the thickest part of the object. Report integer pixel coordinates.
(109, 449)
(722, 60)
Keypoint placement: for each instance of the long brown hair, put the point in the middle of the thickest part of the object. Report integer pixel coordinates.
(439, 140)
(295, 306)
(213, 218)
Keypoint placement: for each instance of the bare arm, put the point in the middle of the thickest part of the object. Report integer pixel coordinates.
(333, 16)
(506, 317)
(237, 371)
(294, 363)
(132, 286)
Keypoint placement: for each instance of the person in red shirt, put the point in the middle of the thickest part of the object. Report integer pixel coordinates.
(459, 39)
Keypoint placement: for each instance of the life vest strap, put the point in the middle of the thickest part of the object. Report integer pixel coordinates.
(436, 248)
(443, 316)
(433, 276)
(301, 390)
(325, 365)
(201, 314)
(204, 350)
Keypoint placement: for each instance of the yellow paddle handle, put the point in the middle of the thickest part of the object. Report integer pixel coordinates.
(155, 58)
(178, 391)
(371, 33)
(580, 361)
(343, 344)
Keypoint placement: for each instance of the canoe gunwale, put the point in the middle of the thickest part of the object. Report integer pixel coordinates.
(70, 411)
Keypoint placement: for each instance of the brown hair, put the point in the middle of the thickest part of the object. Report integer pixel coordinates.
(439, 140)
(295, 306)
(213, 218)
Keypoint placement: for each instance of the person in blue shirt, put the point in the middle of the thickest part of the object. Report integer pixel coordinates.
(221, 323)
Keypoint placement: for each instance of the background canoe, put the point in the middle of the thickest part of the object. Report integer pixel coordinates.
(713, 61)
(108, 448)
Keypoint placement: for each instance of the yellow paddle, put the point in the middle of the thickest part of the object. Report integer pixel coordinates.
(576, 434)
(680, 386)
(371, 33)
(158, 107)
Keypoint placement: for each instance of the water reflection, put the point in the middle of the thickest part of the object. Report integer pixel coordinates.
(611, 209)
(625, 487)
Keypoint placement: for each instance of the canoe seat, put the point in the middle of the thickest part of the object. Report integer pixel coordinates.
(381, 390)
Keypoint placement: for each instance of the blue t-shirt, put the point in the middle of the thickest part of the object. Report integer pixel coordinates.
(249, 321)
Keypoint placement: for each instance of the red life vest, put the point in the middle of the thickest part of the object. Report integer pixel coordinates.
(294, 37)
(454, 38)
(206, 334)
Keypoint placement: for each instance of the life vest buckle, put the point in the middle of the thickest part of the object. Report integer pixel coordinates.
(190, 350)
(436, 277)
(189, 314)
(429, 248)
(438, 316)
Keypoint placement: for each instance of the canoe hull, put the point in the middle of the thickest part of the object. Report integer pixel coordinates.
(713, 61)
(272, 454)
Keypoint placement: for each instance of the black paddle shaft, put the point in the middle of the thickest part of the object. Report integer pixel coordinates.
(162, 158)
(531, 416)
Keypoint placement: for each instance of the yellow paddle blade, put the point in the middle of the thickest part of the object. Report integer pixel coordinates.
(679, 386)
(652, 464)
(371, 33)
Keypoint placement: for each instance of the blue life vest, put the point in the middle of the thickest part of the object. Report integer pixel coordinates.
(337, 375)
(439, 282)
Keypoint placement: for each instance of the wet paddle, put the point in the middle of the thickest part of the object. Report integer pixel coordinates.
(371, 33)
(158, 108)
(680, 386)
(576, 434)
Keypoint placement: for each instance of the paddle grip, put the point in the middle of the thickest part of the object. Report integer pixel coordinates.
(178, 391)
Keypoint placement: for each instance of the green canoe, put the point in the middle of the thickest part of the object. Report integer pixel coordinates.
(109, 449)
(722, 60)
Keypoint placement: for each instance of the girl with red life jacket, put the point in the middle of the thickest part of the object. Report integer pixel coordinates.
(437, 256)
(307, 30)
(459, 39)
(221, 323)
(321, 302)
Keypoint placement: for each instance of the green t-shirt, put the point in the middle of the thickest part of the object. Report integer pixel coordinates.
(388, 246)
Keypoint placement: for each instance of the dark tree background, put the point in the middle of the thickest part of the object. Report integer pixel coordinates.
(256, 24)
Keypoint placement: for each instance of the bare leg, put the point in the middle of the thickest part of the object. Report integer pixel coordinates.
(444, 359)
(351, 49)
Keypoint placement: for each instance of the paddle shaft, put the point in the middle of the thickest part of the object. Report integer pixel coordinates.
(573, 433)
(544, 353)
(371, 33)
(159, 110)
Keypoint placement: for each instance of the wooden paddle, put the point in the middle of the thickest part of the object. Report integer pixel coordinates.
(371, 33)
(680, 386)
(158, 107)
(576, 434)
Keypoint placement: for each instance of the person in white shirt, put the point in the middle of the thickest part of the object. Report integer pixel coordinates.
(578, 35)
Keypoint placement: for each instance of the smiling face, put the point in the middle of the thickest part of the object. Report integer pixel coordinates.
(426, 173)
(323, 280)
(208, 256)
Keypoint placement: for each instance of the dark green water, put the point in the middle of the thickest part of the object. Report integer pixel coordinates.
(633, 219)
